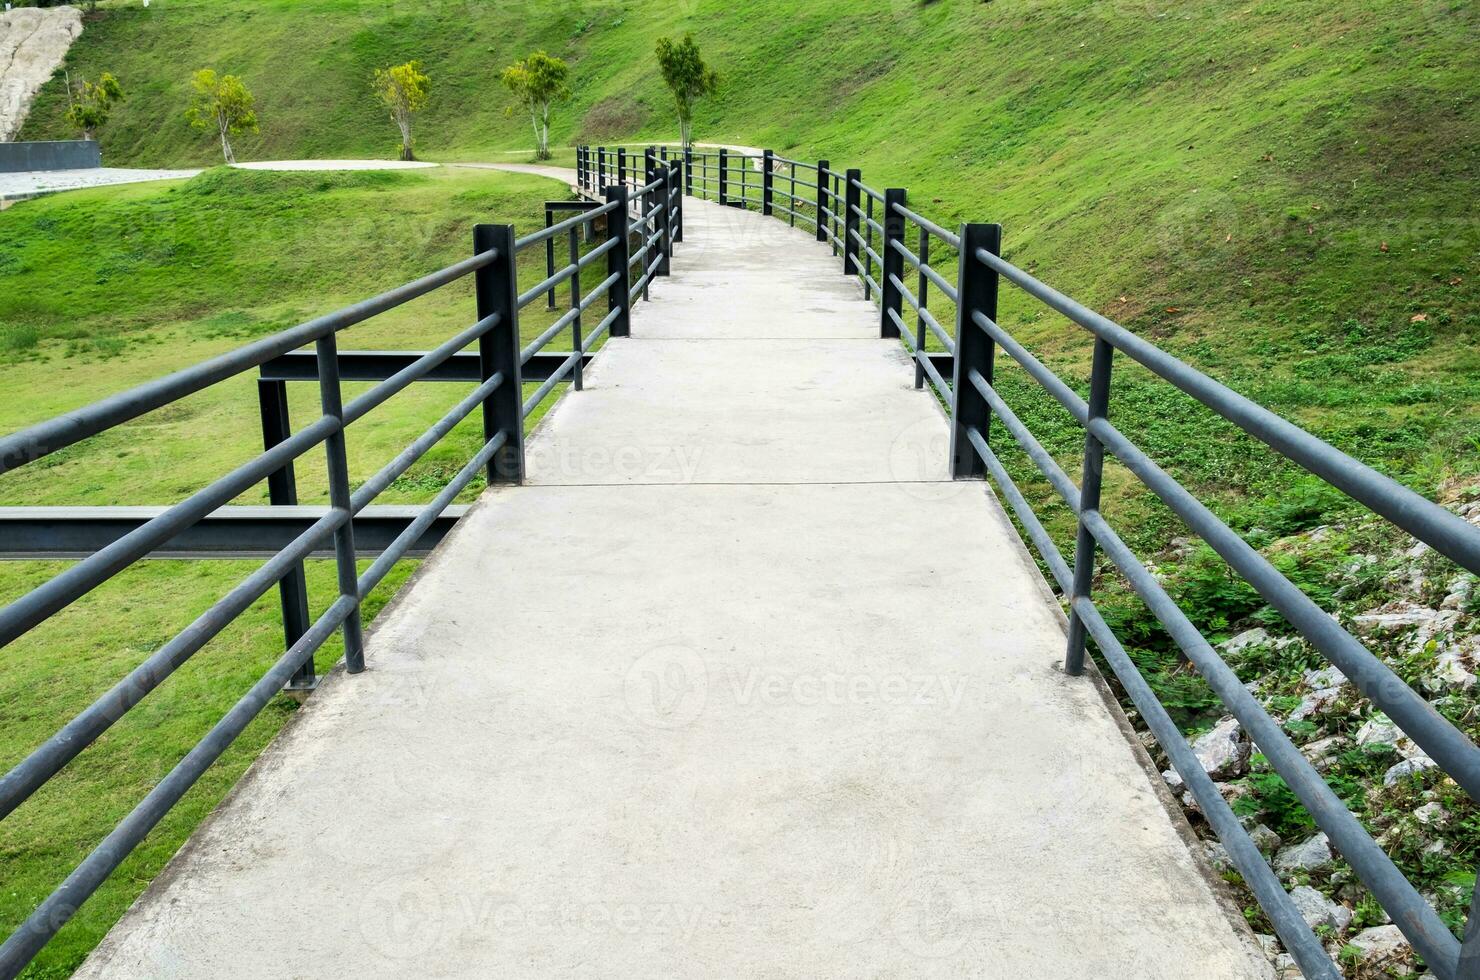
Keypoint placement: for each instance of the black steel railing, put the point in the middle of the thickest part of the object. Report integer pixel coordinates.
(498, 369)
(871, 229)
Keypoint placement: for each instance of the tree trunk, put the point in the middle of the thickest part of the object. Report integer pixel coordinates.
(534, 120)
(405, 123)
(226, 148)
(545, 131)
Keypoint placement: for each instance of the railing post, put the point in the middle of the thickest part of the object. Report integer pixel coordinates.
(497, 289)
(920, 287)
(676, 180)
(724, 163)
(622, 165)
(824, 203)
(688, 171)
(976, 293)
(1469, 951)
(768, 163)
(576, 343)
(583, 166)
(892, 298)
(282, 491)
(601, 167)
(550, 259)
(332, 400)
(1089, 499)
(659, 199)
(851, 266)
(618, 261)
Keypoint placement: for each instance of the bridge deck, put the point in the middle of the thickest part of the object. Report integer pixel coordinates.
(737, 685)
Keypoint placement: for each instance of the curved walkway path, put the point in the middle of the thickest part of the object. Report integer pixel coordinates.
(738, 684)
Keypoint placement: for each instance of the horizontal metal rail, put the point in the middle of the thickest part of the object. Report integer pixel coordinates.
(586, 217)
(72, 584)
(59, 907)
(37, 441)
(233, 532)
(950, 238)
(1445, 532)
(935, 277)
(378, 365)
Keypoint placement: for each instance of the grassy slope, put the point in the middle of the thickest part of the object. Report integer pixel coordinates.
(1282, 192)
(107, 288)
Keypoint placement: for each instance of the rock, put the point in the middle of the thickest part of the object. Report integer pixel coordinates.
(1382, 950)
(1258, 636)
(1285, 968)
(1407, 769)
(1324, 679)
(1457, 591)
(1174, 781)
(1265, 839)
(1378, 730)
(1395, 616)
(33, 44)
(1430, 814)
(1217, 856)
(1318, 910)
(1322, 752)
(1314, 704)
(1312, 854)
(1269, 944)
(1458, 664)
(1223, 752)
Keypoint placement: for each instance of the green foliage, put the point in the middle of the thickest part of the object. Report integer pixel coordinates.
(222, 103)
(92, 102)
(404, 90)
(537, 82)
(687, 77)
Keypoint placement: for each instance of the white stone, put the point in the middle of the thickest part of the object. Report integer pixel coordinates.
(1311, 854)
(1319, 911)
(1324, 679)
(1248, 638)
(1265, 839)
(1379, 730)
(1431, 813)
(1407, 769)
(1383, 948)
(33, 44)
(1223, 751)
(1317, 703)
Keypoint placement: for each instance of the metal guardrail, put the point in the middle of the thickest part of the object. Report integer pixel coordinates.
(875, 248)
(115, 538)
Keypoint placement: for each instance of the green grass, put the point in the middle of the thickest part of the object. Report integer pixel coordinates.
(1280, 192)
(108, 288)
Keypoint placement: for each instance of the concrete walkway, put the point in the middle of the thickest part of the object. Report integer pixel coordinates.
(738, 685)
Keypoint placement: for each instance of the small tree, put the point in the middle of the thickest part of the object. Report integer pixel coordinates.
(404, 91)
(688, 77)
(221, 102)
(89, 104)
(539, 81)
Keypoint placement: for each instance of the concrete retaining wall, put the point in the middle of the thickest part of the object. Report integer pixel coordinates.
(49, 155)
